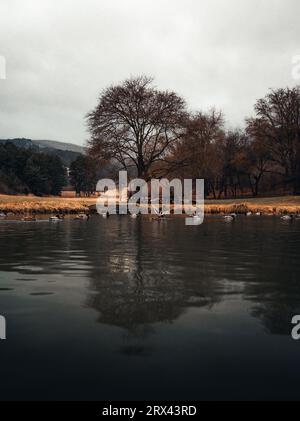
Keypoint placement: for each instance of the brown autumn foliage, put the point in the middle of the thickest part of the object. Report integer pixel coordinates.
(151, 132)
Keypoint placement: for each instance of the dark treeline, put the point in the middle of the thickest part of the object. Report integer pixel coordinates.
(84, 174)
(28, 171)
(151, 132)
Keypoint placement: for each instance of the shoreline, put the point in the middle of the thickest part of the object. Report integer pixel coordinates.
(51, 205)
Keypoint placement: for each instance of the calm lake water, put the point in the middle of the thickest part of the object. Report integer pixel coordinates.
(134, 309)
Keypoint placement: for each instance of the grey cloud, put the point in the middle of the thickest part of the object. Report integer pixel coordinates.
(61, 54)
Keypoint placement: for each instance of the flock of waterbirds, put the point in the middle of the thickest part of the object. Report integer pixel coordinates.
(157, 216)
(54, 218)
(286, 217)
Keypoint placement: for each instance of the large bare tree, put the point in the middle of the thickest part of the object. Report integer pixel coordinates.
(136, 124)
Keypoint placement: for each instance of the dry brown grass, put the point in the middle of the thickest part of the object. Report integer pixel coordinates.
(32, 204)
(267, 205)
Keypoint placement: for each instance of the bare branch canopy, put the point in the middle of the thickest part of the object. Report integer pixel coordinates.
(136, 124)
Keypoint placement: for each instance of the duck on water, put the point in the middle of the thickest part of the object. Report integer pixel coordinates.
(56, 218)
(287, 218)
(29, 218)
(83, 216)
(230, 218)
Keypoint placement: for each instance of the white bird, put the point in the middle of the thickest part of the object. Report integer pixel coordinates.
(196, 215)
(29, 218)
(258, 214)
(287, 217)
(83, 216)
(54, 219)
(133, 215)
(248, 213)
(229, 218)
(159, 214)
(197, 219)
(2, 215)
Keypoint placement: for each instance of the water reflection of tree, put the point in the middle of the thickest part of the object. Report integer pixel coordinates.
(138, 282)
(276, 307)
(152, 279)
(140, 273)
(276, 292)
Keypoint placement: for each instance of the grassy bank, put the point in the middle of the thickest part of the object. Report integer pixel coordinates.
(32, 204)
(265, 205)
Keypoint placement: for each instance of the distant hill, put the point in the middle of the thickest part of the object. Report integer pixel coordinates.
(59, 145)
(67, 152)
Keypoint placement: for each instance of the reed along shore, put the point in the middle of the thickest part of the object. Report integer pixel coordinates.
(50, 205)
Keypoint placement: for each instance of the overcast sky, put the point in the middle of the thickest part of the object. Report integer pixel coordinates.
(61, 53)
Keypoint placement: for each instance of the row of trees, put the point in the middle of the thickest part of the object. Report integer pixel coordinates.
(27, 171)
(150, 133)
